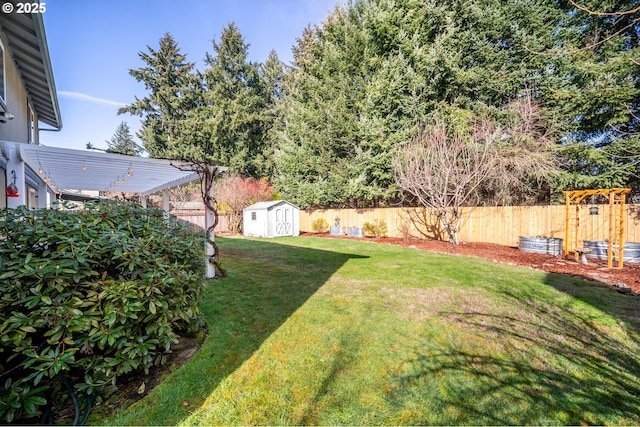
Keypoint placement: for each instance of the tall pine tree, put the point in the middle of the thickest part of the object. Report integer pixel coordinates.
(122, 142)
(600, 99)
(236, 102)
(271, 72)
(365, 80)
(173, 125)
(174, 91)
(320, 136)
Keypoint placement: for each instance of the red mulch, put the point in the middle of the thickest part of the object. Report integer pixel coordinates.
(595, 270)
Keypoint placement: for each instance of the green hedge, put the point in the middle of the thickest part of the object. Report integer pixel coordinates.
(88, 296)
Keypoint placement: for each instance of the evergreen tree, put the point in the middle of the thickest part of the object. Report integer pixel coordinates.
(173, 125)
(236, 106)
(174, 91)
(320, 137)
(600, 99)
(122, 142)
(220, 117)
(271, 72)
(363, 82)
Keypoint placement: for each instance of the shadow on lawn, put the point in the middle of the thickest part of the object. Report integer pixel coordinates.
(544, 362)
(267, 282)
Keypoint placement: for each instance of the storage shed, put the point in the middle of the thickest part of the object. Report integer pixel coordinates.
(271, 219)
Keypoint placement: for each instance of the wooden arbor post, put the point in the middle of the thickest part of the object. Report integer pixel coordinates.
(617, 197)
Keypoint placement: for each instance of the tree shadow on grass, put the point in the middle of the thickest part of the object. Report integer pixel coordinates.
(542, 360)
(267, 282)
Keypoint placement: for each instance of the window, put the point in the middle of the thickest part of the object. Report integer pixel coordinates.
(253, 216)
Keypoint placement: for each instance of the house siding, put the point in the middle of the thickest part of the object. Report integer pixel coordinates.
(18, 128)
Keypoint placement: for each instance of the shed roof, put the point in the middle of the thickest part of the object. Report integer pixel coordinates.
(267, 205)
(27, 44)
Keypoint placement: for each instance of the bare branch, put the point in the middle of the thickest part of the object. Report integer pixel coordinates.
(524, 160)
(446, 171)
(597, 13)
(234, 193)
(443, 169)
(207, 174)
(563, 52)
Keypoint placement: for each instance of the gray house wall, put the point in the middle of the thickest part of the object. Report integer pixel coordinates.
(18, 128)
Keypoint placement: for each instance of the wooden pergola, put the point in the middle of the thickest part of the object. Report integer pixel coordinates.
(617, 197)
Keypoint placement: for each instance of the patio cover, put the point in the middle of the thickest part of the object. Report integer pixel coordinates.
(69, 169)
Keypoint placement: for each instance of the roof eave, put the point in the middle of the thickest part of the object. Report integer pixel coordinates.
(48, 70)
(26, 42)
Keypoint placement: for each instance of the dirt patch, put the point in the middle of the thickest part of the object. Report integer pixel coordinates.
(626, 279)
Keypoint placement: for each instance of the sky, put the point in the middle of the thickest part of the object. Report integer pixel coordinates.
(94, 43)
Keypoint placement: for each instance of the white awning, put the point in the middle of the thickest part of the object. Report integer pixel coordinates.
(67, 169)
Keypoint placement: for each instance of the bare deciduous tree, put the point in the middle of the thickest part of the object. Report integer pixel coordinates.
(446, 170)
(524, 159)
(234, 193)
(182, 194)
(443, 169)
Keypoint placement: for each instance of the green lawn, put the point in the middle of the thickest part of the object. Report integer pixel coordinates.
(323, 331)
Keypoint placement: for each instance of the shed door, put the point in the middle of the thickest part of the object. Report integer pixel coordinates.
(284, 221)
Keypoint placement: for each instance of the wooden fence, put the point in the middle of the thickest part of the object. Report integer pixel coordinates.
(197, 219)
(503, 225)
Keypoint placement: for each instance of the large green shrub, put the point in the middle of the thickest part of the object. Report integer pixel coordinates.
(88, 296)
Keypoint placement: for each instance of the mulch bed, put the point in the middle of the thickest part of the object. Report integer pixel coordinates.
(626, 280)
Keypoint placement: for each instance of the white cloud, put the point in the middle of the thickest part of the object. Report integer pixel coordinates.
(88, 98)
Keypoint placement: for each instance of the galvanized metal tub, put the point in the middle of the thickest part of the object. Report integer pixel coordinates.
(539, 245)
(336, 230)
(600, 249)
(355, 231)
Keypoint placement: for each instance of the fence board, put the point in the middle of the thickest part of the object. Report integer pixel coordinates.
(197, 219)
